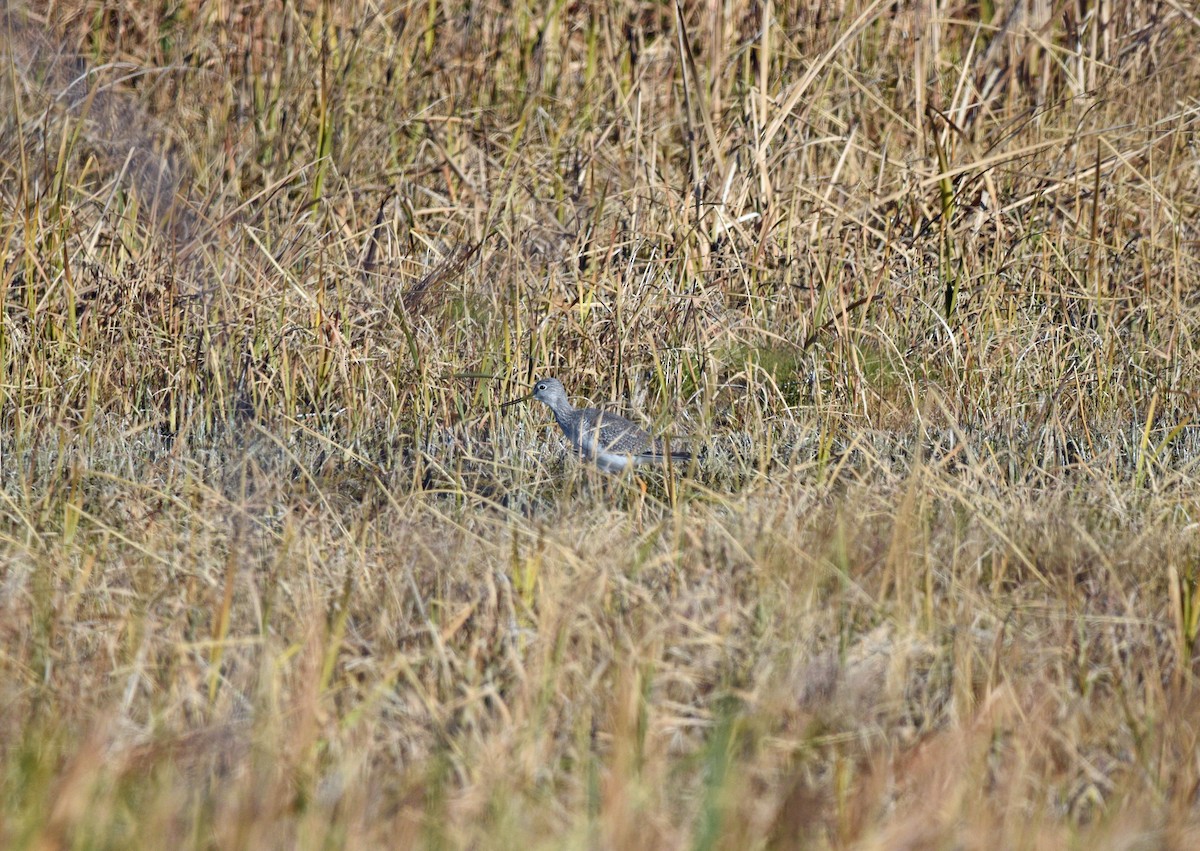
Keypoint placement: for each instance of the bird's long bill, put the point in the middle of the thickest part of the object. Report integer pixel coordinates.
(516, 401)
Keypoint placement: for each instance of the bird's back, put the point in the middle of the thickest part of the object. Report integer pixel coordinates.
(608, 432)
(613, 441)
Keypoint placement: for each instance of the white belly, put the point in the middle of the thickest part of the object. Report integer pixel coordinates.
(612, 463)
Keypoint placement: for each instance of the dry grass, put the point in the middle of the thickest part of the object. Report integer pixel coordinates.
(276, 571)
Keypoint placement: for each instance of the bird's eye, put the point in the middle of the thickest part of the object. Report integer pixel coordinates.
(541, 387)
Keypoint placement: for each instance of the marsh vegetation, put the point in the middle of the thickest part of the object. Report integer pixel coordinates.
(920, 280)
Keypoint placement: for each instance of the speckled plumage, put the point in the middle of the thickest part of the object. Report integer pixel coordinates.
(608, 439)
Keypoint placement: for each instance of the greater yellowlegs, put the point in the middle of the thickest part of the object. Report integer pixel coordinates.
(608, 439)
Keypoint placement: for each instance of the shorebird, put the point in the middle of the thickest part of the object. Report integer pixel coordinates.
(612, 442)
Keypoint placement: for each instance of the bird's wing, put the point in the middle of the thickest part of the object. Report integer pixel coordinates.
(607, 432)
(623, 437)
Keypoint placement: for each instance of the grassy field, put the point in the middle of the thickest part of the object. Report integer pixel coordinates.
(920, 283)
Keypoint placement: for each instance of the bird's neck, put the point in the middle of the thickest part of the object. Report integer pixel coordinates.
(563, 412)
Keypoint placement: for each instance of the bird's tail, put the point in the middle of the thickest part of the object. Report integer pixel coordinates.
(676, 456)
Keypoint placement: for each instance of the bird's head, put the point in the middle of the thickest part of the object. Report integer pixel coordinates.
(550, 391)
